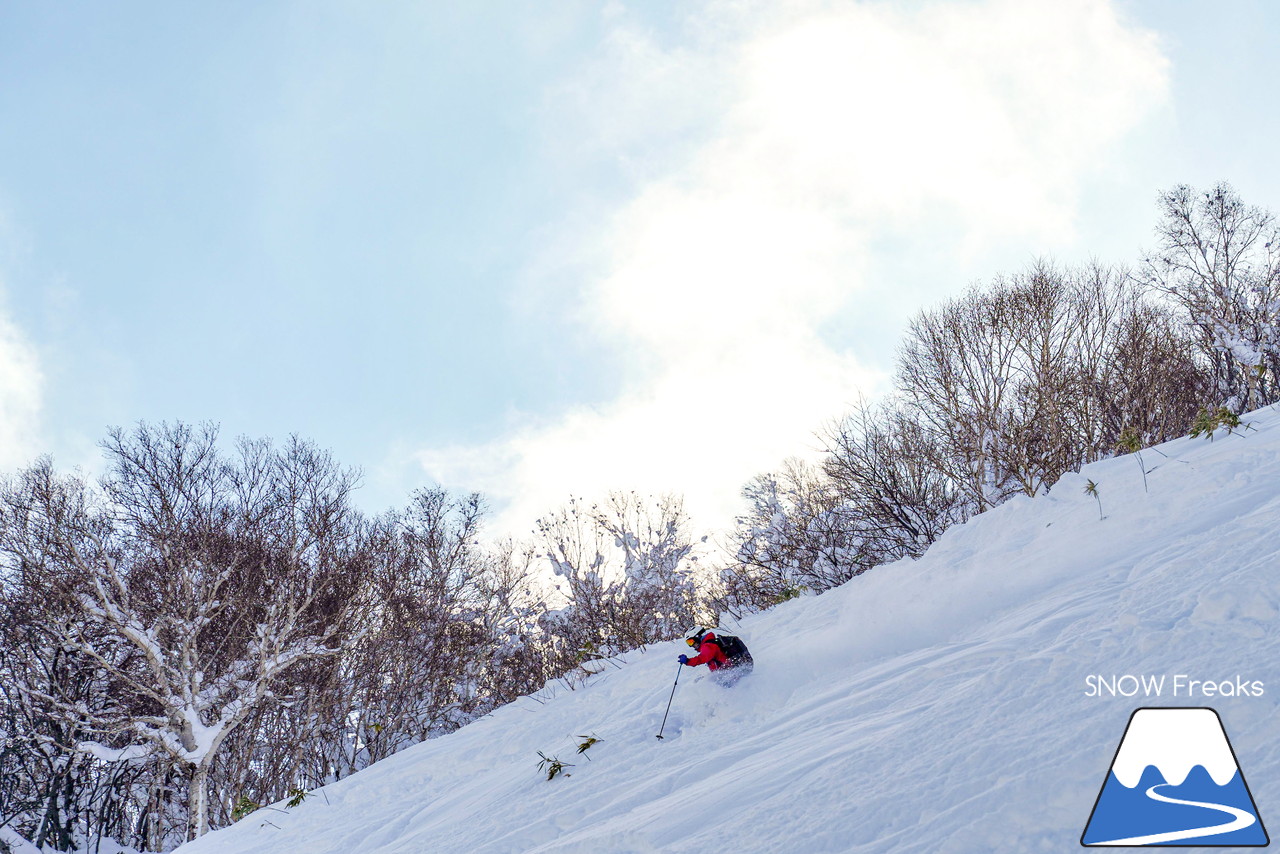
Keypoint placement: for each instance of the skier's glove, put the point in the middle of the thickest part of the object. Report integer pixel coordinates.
(684, 659)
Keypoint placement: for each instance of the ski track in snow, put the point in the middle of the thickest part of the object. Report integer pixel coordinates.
(930, 706)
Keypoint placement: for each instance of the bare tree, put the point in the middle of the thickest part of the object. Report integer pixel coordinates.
(1219, 259)
(577, 551)
(879, 460)
(414, 675)
(1002, 391)
(876, 497)
(659, 563)
(798, 534)
(1148, 383)
(220, 575)
(453, 633)
(520, 657)
(957, 368)
(628, 574)
(1038, 374)
(48, 695)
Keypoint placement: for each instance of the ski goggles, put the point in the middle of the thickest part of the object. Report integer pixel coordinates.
(692, 641)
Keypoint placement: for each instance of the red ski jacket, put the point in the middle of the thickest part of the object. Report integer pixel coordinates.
(709, 654)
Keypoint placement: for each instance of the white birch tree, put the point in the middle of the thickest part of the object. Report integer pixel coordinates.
(222, 574)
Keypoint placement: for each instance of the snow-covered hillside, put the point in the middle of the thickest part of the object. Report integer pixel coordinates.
(944, 705)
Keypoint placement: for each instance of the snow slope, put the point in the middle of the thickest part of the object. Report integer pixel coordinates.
(935, 706)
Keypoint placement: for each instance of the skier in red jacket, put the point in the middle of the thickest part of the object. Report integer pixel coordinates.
(725, 656)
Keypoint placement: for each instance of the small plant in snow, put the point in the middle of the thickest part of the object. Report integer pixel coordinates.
(789, 592)
(1130, 441)
(580, 673)
(1207, 422)
(553, 766)
(243, 807)
(297, 796)
(1091, 488)
(587, 742)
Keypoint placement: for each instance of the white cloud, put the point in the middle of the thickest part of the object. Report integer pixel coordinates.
(19, 397)
(827, 127)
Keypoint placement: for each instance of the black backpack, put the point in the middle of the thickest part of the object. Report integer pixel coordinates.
(735, 651)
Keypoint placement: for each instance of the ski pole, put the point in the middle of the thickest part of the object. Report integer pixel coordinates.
(669, 699)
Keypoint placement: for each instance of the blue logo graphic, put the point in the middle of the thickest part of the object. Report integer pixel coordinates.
(1174, 782)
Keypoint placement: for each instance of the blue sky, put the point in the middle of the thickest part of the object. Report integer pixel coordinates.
(550, 252)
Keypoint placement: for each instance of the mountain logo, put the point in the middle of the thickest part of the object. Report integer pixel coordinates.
(1175, 781)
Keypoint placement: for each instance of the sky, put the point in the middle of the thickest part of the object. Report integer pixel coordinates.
(552, 252)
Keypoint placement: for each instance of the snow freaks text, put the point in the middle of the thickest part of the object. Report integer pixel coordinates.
(1179, 685)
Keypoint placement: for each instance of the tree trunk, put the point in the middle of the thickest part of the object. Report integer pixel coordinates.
(198, 802)
(49, 821)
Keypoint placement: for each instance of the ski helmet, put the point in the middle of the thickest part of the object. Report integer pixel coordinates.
(694, 636)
